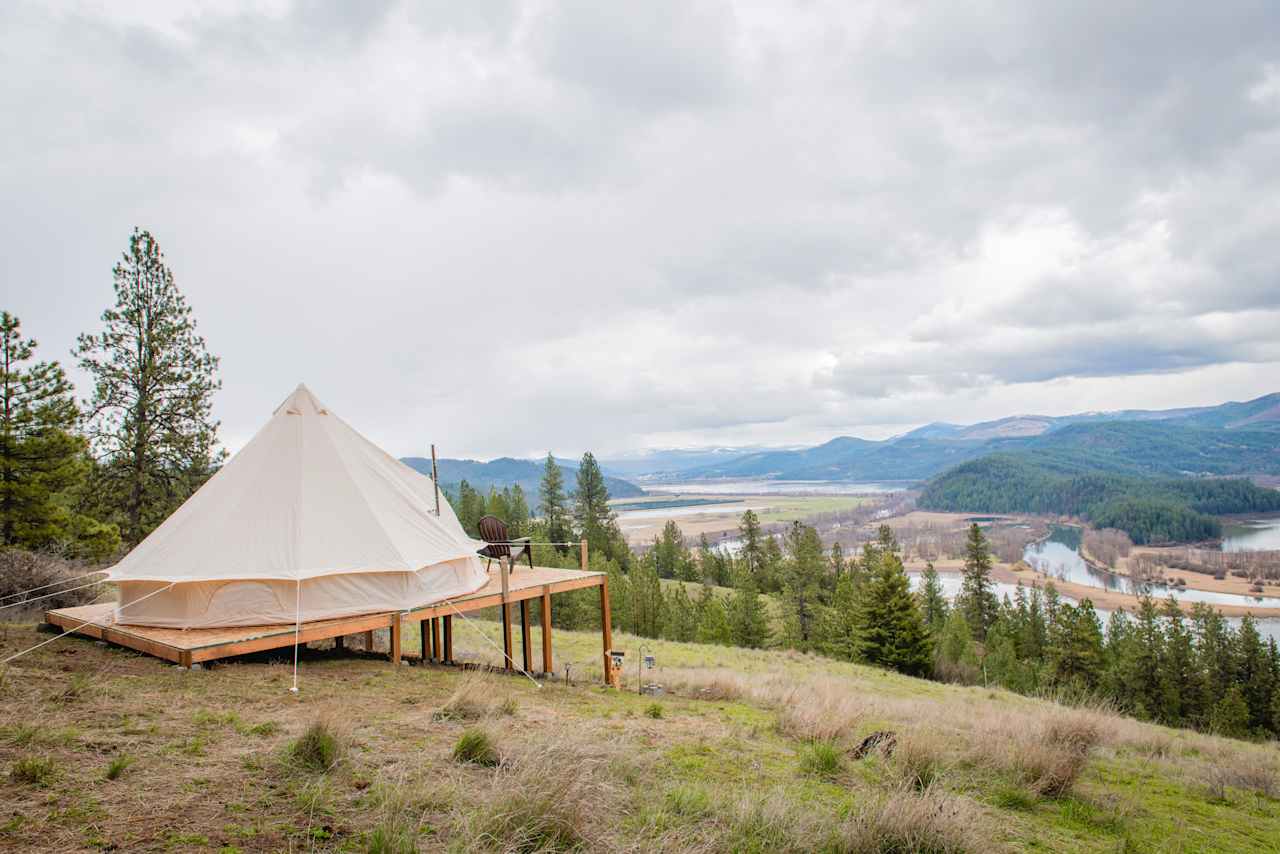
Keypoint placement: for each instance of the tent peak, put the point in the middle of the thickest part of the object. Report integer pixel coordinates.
(301, 402)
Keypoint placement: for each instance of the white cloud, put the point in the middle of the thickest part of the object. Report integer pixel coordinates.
(716, 222)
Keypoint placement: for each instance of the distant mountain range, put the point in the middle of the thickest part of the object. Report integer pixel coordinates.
(1232, 438)
(506, 471)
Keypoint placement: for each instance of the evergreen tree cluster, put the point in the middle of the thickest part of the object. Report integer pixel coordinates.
(1150, 510)
(81, 479)
(1155, 664)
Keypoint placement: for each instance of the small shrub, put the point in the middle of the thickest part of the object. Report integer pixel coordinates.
(821, 759)
(1256, 777)
(117, 766)
(508, 706)
(653, 710)
(824, 715)
(263, 730)
(318, 749)
(476, 748)
(34, 771)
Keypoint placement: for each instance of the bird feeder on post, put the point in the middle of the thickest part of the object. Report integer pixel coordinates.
(614, 676)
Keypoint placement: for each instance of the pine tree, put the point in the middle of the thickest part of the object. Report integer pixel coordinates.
(646, 599)
(748, 622)
(713, 619)
(1076, 647)
(1254, 675)
(596, 522)
(518, 512)
(955, 656)
(891, 632)
(471, 506)
(553, 505)
(1230, 716)
(751, 552)
(1181, 679)
(150, 416)
(1141, 670)
(840, 635)
(41, 458)
(803, 570)
(681, 615)
(977, 597)
(669, 550)
(933, 603)
(837, 565)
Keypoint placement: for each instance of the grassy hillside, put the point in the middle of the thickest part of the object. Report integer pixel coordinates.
(751, 751)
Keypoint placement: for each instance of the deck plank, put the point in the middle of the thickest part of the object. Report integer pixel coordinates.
(197, 645)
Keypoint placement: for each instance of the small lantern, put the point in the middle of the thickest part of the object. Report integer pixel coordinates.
(650, 662)
(617, 656)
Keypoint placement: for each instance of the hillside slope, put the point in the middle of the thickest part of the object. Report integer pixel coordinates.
(749, 751)
(1233, 438)
(507, 471)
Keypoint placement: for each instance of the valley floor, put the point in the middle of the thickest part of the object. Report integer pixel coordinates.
(747, 751)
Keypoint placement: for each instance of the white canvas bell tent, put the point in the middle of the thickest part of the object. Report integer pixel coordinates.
(308, 520)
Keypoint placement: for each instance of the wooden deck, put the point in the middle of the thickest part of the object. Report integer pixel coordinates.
(192, 646)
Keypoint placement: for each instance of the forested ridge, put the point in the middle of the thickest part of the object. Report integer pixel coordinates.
(1150, 510)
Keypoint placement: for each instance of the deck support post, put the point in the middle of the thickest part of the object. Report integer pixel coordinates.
(526, 656)
(504, 567)
(423, 640)
(395, 638)
(448, 638)
(546, 630)
(436, 653)
(368, 641)
(606, 630)
(340, 643)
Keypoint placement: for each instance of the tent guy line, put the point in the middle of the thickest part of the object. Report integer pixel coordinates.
(82, 625)
(54, 593)
(52, 584)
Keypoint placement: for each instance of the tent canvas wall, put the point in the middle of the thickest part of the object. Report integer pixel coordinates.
(309, 519)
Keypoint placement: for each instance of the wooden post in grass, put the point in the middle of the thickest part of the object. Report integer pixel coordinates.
(525, 652)
(448, 638)
(606, 630)
(435, 639)
(504, 567)
(546, 630)
(395, 638)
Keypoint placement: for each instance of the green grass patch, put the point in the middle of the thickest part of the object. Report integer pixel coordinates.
(33, 771)
(475, 747)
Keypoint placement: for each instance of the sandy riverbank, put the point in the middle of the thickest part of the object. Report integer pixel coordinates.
(1108, 600)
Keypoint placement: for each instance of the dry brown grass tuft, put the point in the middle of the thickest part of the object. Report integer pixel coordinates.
(919, 759)
(927, 822)
(547, 797)
(1251, 773)
(469, 702)
(820, 716)
(1047, 749)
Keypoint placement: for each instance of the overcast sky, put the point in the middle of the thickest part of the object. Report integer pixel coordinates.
(513, 227)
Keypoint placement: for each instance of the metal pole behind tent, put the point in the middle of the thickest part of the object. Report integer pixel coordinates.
(435, 478)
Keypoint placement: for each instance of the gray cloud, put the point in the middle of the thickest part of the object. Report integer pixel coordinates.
(675, 223)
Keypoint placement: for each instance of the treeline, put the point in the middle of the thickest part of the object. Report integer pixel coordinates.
(1160, 510)
(84, 478)
(1155, 664)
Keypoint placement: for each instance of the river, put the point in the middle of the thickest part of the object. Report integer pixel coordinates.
(1251, 535)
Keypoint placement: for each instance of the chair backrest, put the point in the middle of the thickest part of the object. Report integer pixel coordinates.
(494, 531)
